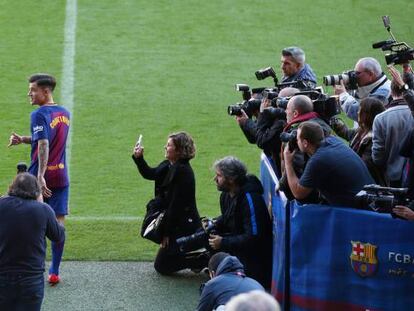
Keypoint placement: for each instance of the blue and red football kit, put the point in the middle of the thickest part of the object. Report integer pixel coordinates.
(52, 123)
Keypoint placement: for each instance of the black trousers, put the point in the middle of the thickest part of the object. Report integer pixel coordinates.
(171, 259)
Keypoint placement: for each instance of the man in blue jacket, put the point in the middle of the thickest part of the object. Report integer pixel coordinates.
(244, 228)
(295, 68)
(227, 280)
(24, 223)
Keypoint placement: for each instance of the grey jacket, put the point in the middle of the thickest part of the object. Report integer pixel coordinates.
(389, 130)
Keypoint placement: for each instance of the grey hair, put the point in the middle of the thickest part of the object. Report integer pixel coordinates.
(232, 168)
(255, 300)
(297, 54)
(371, 64)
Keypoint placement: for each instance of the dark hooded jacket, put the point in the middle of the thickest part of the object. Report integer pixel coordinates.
(229, 281)
(246, 228)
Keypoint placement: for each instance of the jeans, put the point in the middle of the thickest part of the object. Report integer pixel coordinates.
(19, 291)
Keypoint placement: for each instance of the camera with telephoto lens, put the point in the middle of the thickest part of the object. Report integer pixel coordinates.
(291, 139)
(399, 52)
(349, 78)
(250, 107)
(381, 199)
(21, 167)
(198, 239)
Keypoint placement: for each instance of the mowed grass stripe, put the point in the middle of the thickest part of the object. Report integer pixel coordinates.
(68, 74)
(102, 239)
(105, 218)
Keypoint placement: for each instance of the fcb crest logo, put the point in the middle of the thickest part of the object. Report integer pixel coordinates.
(363, 258)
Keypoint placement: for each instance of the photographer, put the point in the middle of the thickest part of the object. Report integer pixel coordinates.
(371, 81)
(270, 125)
(249, 125)
(389, 129)
(25, 222)
(407, 146)
(244, 228)
(227, 280)
(294, 67)
(333, 168)
(300, 109)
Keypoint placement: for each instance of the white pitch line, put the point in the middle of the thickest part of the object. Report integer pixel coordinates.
(105, 218)
(68, 74)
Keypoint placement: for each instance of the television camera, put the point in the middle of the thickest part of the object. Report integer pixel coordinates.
(399, 52)
(381, 199)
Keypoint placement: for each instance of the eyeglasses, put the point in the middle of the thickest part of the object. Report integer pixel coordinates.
(359, 72)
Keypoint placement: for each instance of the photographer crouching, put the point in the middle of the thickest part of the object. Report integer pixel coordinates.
(333, 169)
(244, 228)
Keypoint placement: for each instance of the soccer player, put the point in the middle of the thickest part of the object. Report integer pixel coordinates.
(49, 126)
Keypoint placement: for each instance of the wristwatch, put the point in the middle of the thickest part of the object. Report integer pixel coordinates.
(404, 88)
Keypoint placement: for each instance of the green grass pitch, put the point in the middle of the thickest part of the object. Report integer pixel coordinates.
(155, 67)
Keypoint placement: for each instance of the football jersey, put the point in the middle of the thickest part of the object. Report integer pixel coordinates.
(51, 123)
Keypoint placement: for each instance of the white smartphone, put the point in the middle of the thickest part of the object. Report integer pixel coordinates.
(139, 141)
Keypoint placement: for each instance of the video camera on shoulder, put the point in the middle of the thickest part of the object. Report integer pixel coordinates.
(399, 52)
(381, 199)
(198, 239)
(326, 106)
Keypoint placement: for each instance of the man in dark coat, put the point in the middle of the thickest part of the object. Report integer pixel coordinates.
(227, 280)
(244, 228)
(24, 224)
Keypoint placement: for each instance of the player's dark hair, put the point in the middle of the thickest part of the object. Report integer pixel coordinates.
(43, 80)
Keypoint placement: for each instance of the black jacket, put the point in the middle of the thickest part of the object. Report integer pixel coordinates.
(24, 224)
(247, 229)
(249, 129)
(175, 184)
(228, 282)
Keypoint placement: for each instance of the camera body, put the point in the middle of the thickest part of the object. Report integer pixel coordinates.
(264, 73)
(250, 107)
(198, 239)
(399, 52)
(21, 167)
(291, 139)
(245, 89)
(323, 104)
(349, 78)
(381, 199)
